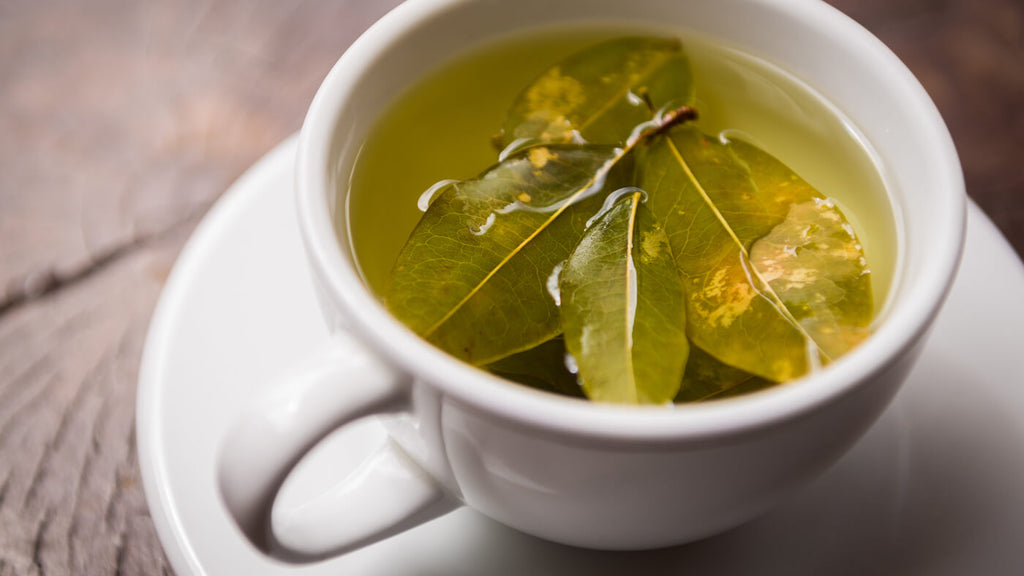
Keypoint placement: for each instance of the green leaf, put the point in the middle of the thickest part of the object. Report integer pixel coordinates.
(716, 199)
(472, 278)
(707, 378)
(600, 95)
(622, 306)
(542, 367)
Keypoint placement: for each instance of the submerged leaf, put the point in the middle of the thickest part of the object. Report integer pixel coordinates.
(541, 367)
(622, 307)
(716, 200)
(707, 378)
(816, 265)
(601, 94)
(813, 259)
(472, 278)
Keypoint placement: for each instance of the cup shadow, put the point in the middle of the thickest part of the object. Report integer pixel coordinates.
(930, 489)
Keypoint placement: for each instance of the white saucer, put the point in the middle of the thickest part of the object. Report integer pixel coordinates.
(936, 487)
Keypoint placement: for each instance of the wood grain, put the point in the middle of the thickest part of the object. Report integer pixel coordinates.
(122, 122)
(70, 498)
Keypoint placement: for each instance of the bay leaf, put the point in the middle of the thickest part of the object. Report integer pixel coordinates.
(622, 306)
(601, 94)
(542, 367)
(473, 277)
(716, 199)
(707, 378)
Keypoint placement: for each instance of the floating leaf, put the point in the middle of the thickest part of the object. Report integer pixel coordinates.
(602, 94)
(472, 279)
(706, 378)
(622, 307)
(716, 199)
(542, 367)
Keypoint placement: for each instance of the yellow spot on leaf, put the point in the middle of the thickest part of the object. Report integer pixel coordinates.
(652, 246)
(555, 126)
(523, 197)
(723, 299)
(553, 91)
(539, 157)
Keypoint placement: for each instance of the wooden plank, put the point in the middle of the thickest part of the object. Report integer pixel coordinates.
(71, 499)
(120, 119)
(120, 124)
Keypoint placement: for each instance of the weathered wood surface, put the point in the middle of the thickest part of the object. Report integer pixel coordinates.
(121, 123)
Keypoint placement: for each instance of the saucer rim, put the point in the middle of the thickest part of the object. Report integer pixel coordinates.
(149, 436)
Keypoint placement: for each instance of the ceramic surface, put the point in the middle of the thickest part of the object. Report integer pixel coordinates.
(933, 488)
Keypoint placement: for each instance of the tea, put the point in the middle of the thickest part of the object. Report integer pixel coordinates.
(441, 130)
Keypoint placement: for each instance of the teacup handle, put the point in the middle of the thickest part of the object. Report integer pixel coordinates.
(335, 385)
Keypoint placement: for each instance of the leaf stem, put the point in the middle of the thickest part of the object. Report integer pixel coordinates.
(675, 117)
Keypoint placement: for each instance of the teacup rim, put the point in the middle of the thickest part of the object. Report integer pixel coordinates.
(461, 382)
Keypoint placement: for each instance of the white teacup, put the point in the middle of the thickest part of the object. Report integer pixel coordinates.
(591, 475)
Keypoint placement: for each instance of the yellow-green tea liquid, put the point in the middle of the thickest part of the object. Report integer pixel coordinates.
(441, 128)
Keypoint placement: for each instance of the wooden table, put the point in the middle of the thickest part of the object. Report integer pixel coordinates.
(122, 122)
